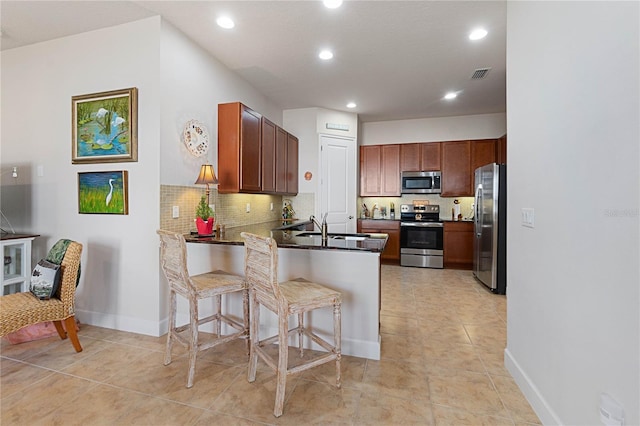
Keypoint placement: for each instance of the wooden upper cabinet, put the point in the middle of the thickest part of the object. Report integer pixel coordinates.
(239, 149)
(250, 151)
(380, 170)
(268, 155)
(281, 160)
(501, 150)
(254, 154)
(416, 157)
(390, 171)
(370, 170)
(292, 164)
(482, 152)
(456, 169)
(430, 156)
(410, 157)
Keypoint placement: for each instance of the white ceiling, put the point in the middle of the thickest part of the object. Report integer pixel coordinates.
(395, 59)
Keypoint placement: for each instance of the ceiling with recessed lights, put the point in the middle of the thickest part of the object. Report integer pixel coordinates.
(392, 59)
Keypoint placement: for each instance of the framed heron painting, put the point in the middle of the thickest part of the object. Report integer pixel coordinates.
(103, 192)
(105, 127)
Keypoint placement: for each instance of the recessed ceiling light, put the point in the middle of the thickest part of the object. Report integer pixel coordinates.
(325, 54)
(477, 34)
(450, 95)
(225, 22)
(351, 105)
(332, 4)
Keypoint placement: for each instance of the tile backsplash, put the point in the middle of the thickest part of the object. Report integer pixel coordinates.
(446, 204)
(230, 209)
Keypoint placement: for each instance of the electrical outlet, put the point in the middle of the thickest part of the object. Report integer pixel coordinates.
(213, 207)
(528, 217)
(175, 212)
(248, 207)
(271, 206)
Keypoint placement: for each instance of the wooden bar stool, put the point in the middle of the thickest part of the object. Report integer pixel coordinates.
(284, 299)
(173, 259)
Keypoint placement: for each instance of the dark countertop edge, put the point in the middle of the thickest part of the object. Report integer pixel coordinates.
(292, 225)
(283, 238)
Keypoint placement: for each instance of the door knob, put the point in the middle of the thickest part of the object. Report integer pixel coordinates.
(350, 217)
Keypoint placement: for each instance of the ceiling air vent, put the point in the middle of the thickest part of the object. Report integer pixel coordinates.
(480, 73)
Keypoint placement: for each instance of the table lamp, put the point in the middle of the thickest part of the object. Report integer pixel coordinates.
(207, 177)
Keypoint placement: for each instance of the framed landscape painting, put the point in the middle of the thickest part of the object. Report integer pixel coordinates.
(105, 127)
(103, 192)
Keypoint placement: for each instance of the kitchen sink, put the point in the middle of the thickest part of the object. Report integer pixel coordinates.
(335, 236)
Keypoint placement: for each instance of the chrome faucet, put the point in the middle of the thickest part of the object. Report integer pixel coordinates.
(323, 227)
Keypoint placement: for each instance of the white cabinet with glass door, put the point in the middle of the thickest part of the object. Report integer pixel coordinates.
(16, 270)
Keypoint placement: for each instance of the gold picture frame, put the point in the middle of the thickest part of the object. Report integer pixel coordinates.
(105, 127)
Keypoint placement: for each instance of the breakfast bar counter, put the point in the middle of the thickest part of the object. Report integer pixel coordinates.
(296, 239)
(348, 263)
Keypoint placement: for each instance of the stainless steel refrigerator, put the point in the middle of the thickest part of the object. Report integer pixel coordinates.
(490, 226)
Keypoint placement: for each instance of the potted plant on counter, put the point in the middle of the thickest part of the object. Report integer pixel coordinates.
(204, 217)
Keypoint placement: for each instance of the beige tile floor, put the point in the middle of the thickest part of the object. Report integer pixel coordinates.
(443, 338)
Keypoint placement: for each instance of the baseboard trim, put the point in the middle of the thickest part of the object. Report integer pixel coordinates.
(357, 348)
(530, 391)
(118, 322)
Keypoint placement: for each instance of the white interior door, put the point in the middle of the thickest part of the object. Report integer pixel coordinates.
(338, 182)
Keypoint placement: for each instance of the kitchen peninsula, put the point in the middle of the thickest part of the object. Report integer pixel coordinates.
(349, 263)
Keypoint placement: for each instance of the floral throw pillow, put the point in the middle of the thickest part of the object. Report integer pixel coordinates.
(45, 280)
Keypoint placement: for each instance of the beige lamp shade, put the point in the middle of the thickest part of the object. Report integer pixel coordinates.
(207, 176)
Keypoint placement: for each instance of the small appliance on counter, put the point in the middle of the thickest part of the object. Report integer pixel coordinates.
(421, 235)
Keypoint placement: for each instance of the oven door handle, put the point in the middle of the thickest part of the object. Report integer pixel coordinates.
(423, 224)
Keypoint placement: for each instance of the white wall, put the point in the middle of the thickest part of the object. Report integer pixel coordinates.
(573, 280)
(302, 123)
(119, 262)
(307, 124)
(484, 126)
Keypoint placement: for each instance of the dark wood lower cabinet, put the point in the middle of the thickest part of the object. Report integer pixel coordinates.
(458, 245)
(391, 253)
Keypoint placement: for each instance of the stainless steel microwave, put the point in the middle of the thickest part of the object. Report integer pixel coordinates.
(421, 182)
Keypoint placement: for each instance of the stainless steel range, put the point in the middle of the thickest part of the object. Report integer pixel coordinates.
(421, 236)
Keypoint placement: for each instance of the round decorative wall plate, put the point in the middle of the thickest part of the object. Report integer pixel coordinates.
(196, 138)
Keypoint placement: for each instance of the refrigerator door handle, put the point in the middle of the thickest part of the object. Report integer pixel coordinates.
(478, 217)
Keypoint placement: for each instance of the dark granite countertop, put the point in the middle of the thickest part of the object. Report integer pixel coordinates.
(296, 239)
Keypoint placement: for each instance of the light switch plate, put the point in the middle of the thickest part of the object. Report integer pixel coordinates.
(528, 217)
(175, 212)
(248, 207)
